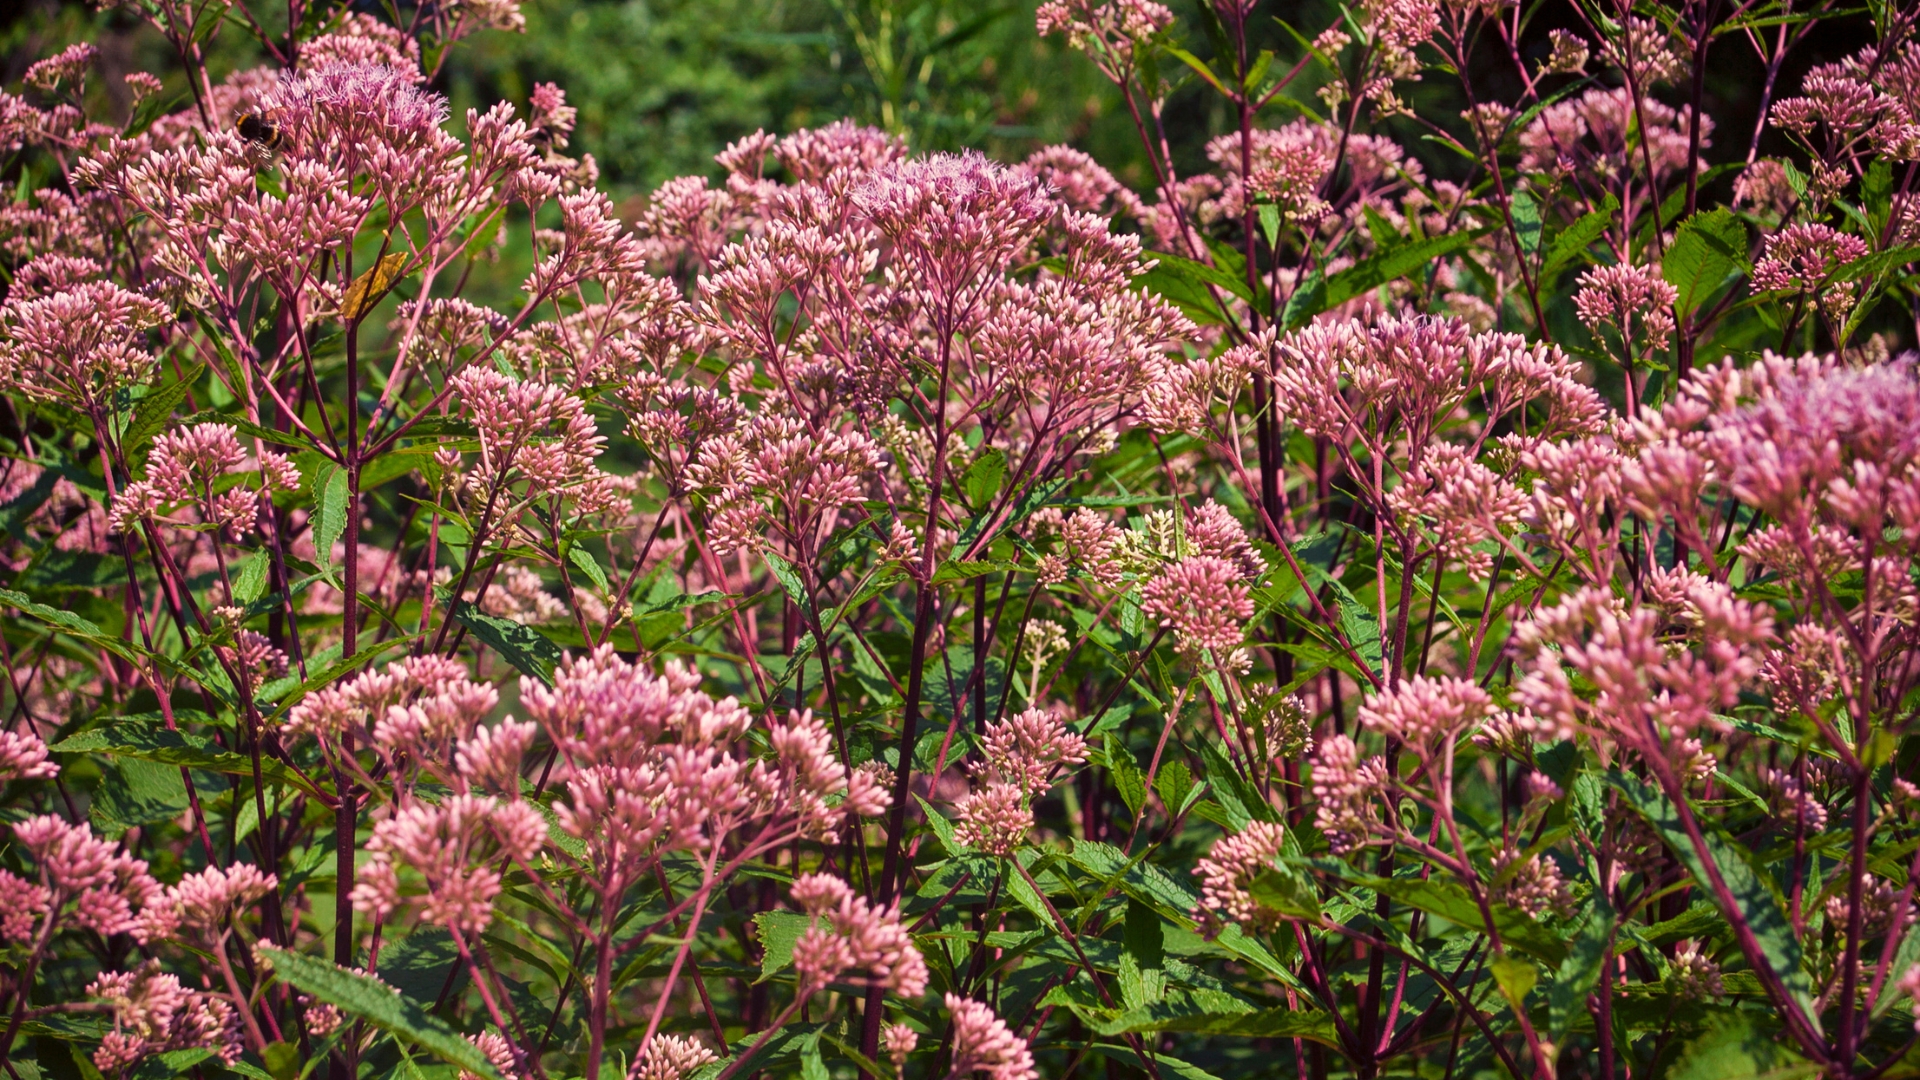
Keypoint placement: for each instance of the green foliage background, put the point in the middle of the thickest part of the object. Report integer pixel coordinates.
(662, 85)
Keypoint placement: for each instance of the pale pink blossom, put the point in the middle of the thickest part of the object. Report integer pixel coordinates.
(982, 1043)
(1226, 874)
(847, 933)
(153, 1013)
(1634, 300)
(994, 818)
(670, 1057)
(900, 1041)
(1204, 599)
(200, 904)
(23, 756)
(1028, 748)
(1423, 711)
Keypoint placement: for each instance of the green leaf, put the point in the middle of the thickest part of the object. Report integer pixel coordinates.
(1516, 977)
(1144, 936)
(1779, 947)
(941, 827)
(1451, 901)
(984, 478)
(1737, 1046)
(1526, 222)
(67, 571)
(1315, 295)
(1169, 1066)
(1580, 972)
(16, 512)
(378, 1004)
(1573, 241)
(789, 578)
(135, 791)
(145, 737)
(777, 931)
(1286, 890)
(154, 413)
(250, 577)
(772, 1057)
(1174, 782)
(1199, 67)
(1276, 1023)
(1237, 797)
(589, 566)
(1126, 773)
(1270, 223)
(1707, 249)
(282, 1060)
(524, 647)
(1186, 284)
(812, 1065)
(330, 511)
(69, 622)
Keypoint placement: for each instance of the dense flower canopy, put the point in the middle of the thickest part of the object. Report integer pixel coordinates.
(1353, 609)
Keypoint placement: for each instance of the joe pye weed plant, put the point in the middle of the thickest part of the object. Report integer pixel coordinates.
(1432, 593)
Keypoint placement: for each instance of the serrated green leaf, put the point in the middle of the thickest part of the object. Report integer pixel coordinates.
(1737, 1046)
(1316, 295)
(984, 478)
(378, 1004)
(589, 566)
(330, 511)
(154, 413)
(250, 578)
(1516, 976)
(1779, 946)
(777, 931)
(1580, 972)
(1451, 901)
(70, 623)
(1573, 241)
(1127, 777)
(522, 646)
(147, 738)
(1188, 285)
(1526, 222)
(1707, 249)
(65, 571)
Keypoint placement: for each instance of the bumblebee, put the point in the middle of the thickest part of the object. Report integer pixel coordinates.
(257, 128)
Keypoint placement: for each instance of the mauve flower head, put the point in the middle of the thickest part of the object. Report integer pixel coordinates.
(837, 150)
(982, 1043)
(1422, 711)
(1227, 872)
(103, 883)
(79, 345)
(360, 39)
(355, 110)
(1027, 748)
(1082, 184)
(1806, 258)
(1204, 599)
(900, 1041)
(201, 903)
(1629, 299)
(441, 859)
(670, 1057)
(69, 66)
(848, 933)
(366, 697)
(153, 1013)
(23, 756)
(1345, 787)
(994, 818)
